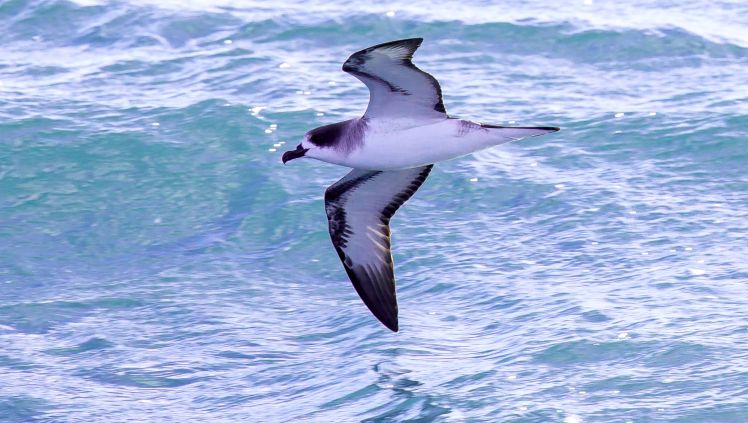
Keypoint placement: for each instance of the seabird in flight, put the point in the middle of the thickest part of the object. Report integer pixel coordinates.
(391, 149)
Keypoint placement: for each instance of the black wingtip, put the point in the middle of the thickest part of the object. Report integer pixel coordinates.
(414, 43)
(384, 312)
(391, 324)
(411, 44)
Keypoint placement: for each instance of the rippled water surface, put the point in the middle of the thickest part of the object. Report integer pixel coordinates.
(159, 264)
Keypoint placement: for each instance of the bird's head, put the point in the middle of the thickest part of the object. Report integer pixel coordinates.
(317, 143)
(301, 150)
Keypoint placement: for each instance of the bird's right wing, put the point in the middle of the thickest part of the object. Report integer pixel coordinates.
(359, 208)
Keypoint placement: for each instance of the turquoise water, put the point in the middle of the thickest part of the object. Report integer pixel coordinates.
(159, 264)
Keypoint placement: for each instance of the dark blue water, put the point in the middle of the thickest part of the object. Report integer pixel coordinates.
(159, 264)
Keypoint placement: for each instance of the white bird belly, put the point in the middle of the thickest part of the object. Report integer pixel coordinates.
(402, 145)
(421, 145)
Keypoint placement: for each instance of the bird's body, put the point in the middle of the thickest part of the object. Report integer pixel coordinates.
(391, 149)
(391, 144)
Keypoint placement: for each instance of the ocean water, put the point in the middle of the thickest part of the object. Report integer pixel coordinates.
(158, 263)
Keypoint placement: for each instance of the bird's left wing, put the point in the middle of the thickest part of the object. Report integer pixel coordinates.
(397, 88)
(359, 208)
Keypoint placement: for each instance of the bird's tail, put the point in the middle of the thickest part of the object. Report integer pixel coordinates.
(513, 133)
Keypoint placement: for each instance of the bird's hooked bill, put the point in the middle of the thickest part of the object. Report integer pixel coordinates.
(294, 154)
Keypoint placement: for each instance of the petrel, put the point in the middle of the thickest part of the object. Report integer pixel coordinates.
(391, 148)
